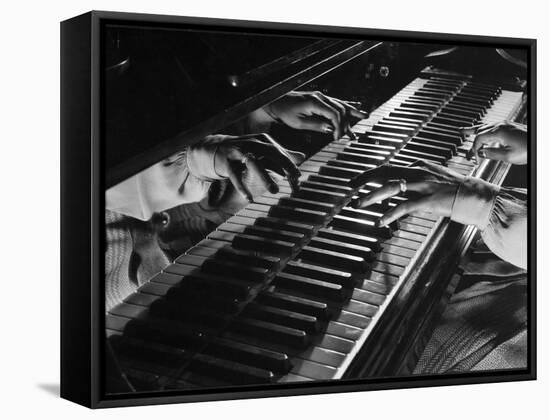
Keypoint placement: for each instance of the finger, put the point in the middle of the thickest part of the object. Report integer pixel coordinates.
(326, 111)
(344, 123)
(235, 175)
(284, 165)
(316, 124)
(494, 153)
(297, 157)
(352, 110)
(483, 138)
(235, 178)
(260, 173)
(473, 129)
(384, 172)
(344, 111)
(388, 190)
(277, 158)
(403, 209)
(435, 168)
(350, 133)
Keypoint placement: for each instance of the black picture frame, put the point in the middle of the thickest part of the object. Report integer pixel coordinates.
(82, 225)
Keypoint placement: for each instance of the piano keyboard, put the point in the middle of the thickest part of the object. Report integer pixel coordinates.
(290, 288)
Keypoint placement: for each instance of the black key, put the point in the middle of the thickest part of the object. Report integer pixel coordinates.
(394, 128)
(420, 117)
(435, 151)
(155, 330)
(361, 240)
(161, 359)
(266, 232)
(370, 150)
(320, 195)
(317, 272)
(281, 316)
(450, 147)
(333, 259)
(384, 140)
(345, 182)
(248, 354)
(210, 284)
(342, 247)
(299, 214)
(295, 303)
(228, 370)
(365, 227)
(356, 147)
(283, 224)
(340, 172)
(235, 270)
(415, 154)
(307, 204)
(268, 246)
(311, 287)
(326, 187)
(419, 105)
(272, 332)
(361, 158)
(238, 256)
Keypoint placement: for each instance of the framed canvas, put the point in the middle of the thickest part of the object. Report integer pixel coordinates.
(255, 209)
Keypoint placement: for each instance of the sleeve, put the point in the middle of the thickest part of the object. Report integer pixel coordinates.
(506, 230)
(499, 213)
(185, 177)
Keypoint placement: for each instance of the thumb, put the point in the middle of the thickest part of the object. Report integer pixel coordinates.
(494, 153)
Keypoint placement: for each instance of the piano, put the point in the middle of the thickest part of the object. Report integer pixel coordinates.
(300, 287)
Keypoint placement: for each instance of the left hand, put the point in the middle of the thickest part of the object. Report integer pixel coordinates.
(436, 185)
(316, 112)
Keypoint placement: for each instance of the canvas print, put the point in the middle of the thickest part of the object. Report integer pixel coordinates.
(284, 208)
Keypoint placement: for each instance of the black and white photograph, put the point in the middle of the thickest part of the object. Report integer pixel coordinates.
(286, 207)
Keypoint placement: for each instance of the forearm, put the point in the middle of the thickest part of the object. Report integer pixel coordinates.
(167, 184)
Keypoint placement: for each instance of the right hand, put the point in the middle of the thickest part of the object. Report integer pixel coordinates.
(243, 157)
(505, 141)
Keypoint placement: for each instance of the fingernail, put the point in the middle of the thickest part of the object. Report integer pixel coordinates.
(482, 154)
(379, 223)
(328, 129)
(365, 114)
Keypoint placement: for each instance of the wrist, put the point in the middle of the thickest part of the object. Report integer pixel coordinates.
(474, 202)
(201, 161)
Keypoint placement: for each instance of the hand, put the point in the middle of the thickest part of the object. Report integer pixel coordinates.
(316, 112)
(244, 157)
(436, 185)
(505, 141)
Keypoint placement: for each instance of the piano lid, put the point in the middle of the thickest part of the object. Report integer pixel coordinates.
(164, 89)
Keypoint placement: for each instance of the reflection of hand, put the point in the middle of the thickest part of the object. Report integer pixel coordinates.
(221, 156)
(441, 192)
(506, 141)
(316, 112)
